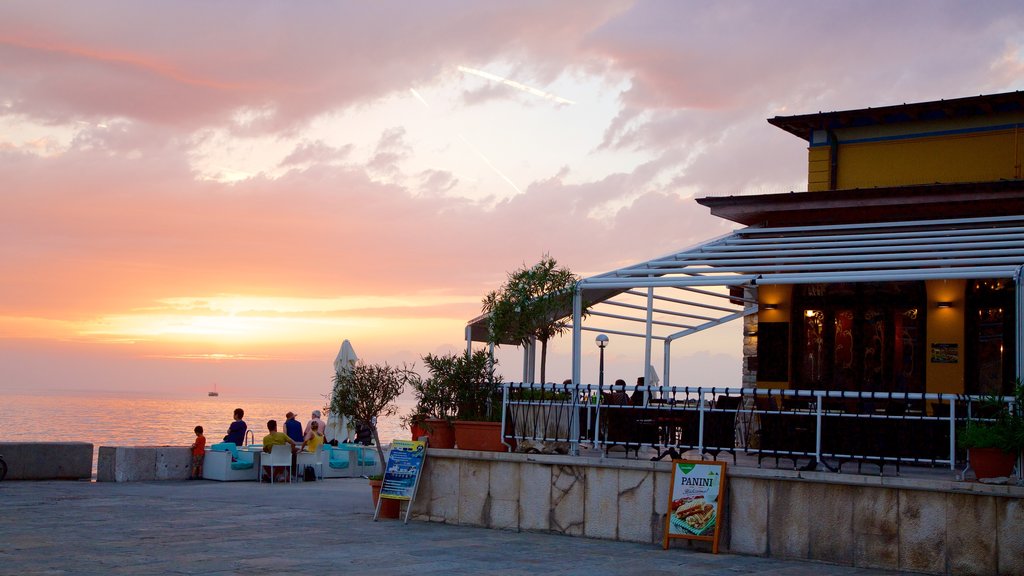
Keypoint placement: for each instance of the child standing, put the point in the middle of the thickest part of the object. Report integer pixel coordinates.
(198, 453)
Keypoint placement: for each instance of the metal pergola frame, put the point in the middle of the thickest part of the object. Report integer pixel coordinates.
(960, 248)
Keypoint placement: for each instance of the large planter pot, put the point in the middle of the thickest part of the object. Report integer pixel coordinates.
(389, 508)
(483, 436)
(439, 432)
(417, 431)
(991, 462)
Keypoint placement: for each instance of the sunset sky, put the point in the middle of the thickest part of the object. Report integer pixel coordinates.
(221, 192)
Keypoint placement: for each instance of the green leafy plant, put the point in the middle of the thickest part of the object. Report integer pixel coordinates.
(368, 391)
(462, 386)
(534, 302)
(1002, 425)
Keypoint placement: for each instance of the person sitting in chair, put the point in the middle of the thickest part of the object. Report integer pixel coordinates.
(275, 438)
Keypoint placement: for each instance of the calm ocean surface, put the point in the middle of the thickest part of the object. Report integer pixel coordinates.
(107, 419)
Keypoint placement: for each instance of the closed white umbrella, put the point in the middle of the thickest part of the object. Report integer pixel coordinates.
(339, 425)
(346, 358)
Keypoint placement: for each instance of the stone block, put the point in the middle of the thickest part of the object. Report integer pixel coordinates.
(662, 486)
(790, 519)
(504, 496)
(474, 496)
(47, 460)
(636, 505)
(1010, 536)
(601, 502)
(971, 534)
(442, 502)
(875, 528)
(173, 463)
(568, 490)
(922, 537)
(535, 497)
(745, 530)
(830, 531)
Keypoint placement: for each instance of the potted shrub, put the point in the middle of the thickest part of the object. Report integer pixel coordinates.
(436, 402)
(467, 383)
(366, 392)
(995, 439)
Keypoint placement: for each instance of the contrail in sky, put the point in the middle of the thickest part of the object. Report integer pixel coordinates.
(516, 85)
(472, 147)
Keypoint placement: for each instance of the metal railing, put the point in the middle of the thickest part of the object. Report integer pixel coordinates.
(832, 428)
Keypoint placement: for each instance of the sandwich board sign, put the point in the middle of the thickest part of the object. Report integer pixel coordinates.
(695, 501)
(402, 474)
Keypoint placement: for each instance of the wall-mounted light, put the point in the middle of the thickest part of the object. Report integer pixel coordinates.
(771, 306)
(810, 313)
(750, 333)
(944, 304)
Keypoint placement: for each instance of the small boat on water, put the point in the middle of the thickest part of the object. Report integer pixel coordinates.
(213, 392)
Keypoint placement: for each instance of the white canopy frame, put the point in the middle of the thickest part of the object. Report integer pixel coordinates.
(964, 248)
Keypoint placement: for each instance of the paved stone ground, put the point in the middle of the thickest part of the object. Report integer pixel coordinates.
(320, 528)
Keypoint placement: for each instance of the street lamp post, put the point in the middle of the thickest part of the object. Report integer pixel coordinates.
(602, 341)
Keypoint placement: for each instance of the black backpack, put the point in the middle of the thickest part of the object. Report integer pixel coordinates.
(308, 474)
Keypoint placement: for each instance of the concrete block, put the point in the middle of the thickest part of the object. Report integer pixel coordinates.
(535, 497)
(568, 490)
(1010, 536)
(970, 534)
(745, 530)
(789, 521)
(876, 528)
(134, 463)
(47, 460)
(922, 538)
(636, 504)
(173, 463)
(504, 496)
(474, 497)
(830, 531)
(602, 510)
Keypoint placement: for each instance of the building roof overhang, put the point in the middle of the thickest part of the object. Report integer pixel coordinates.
(804, 125)
(889, 204)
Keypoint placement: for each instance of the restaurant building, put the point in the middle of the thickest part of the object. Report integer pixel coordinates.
(898, 270)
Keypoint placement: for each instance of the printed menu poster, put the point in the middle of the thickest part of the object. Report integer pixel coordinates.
(404, 464)
(697, 492)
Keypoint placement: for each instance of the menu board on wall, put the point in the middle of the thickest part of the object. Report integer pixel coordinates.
(695, 500)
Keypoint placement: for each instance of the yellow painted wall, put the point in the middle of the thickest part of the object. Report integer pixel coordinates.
(782, 297)
(945, 326)
(972, 157)
(818, 168)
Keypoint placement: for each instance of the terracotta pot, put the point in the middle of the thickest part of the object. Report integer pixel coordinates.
(483, 436)
(418, 431)
(439, 432)
(389, 508)
(991, 462)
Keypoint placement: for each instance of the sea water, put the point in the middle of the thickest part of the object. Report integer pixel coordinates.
(119, 419)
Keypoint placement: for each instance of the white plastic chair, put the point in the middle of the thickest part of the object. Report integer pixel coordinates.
(314, 459)
(280, 455)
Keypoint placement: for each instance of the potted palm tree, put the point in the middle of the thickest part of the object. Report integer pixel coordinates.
(994, 440)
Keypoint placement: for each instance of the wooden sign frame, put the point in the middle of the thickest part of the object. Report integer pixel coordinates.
(695, 498)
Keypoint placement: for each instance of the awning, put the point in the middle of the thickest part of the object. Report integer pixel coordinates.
(690, 289)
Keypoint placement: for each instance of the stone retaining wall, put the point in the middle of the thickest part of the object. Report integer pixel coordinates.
(47, 460)
(932, 526)
(138, 463)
